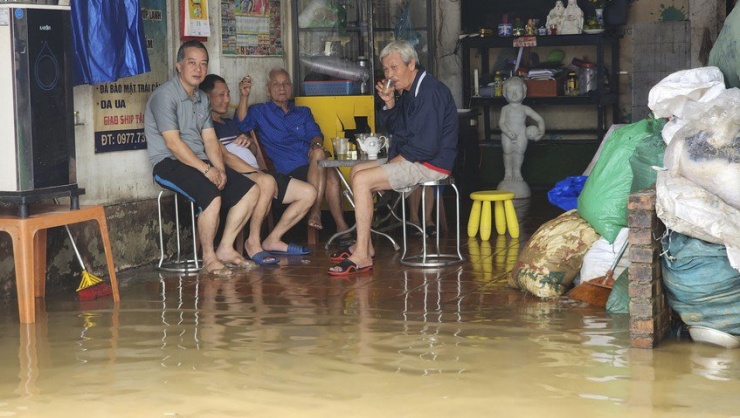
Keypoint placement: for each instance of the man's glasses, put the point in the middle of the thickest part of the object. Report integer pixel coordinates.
(277, 85)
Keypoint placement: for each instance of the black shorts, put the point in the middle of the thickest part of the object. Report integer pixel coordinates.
(300, 173)
(282, 181)
(191, 183)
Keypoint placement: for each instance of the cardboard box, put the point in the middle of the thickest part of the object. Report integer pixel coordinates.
(544, 88)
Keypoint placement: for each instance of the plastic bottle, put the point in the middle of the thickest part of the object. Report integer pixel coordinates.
(571, 84)
(498, 84)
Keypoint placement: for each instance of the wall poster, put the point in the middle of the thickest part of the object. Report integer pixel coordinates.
(119, 106)
(251, 27)
(194, 22)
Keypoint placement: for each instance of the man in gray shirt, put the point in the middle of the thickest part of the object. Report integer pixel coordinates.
(187, 158)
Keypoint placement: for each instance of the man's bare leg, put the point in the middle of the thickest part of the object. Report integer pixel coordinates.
(235, 221)
(415, 207)
(267, 190)
(333, 196)
(364, 183)
(317, 178)
(208, 221)
(299, 197)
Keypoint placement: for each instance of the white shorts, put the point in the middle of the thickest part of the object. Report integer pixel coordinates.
(404, 176)
(242, 152)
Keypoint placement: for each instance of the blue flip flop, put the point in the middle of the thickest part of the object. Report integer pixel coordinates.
(260, 257)
(293, 249)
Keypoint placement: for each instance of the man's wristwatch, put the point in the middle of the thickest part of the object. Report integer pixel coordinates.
(208, 167)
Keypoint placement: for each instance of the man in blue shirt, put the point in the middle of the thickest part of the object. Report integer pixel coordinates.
(423, 122)
(292, 139)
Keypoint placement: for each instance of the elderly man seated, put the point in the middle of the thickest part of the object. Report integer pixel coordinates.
(421, 114)
(298, 195)
(292, 139)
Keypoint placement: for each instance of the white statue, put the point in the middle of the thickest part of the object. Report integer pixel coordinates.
(515, 135)
(555, 18)
(572, 19)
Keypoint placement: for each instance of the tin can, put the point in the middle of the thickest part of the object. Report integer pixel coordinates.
(587, 77)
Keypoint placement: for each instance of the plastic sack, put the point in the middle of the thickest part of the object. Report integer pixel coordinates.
(565, 193)
(725, 52)
(672, 94)
(603, 201)
(550, 261)
(648, 153)
(404, 29)
(700, 284)
(707, 150)
(602, 255)
(691, 210)
(619, 298)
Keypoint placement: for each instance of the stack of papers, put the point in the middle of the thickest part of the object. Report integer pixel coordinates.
(542, 74)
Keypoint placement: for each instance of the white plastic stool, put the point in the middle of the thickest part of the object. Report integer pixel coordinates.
(437, 258)
(179, 264)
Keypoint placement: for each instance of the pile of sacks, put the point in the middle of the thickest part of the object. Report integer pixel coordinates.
(698, 197)
(690, 151)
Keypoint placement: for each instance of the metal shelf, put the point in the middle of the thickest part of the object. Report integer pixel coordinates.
(602, 98)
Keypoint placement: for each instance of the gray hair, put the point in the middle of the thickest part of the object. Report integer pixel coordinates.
(404, 50)
(275, 71)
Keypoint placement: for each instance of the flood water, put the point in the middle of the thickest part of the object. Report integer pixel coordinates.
(284, 344)
(399, 342)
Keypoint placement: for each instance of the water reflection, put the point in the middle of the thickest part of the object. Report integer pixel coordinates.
(283, 343)
(493, 263)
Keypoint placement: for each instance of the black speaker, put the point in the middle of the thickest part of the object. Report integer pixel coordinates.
(37, 123)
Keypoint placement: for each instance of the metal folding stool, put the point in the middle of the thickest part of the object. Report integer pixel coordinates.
(437, 258)
(180, 263)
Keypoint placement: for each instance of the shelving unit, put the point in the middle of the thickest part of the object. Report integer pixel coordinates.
(601, 99)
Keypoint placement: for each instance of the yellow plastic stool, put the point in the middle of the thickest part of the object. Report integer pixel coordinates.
(480, 214)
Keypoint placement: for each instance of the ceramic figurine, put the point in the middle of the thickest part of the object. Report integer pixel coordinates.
(555, 18)
(515, 135)
(572, 19)
(529, 27)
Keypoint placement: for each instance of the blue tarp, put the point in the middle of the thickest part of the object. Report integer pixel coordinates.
(565, 193)
(109, 41)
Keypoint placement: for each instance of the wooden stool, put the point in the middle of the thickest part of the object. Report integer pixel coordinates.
(29, 249)
(480, 214)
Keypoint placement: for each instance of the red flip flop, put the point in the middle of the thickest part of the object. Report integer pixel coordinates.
(340, 255)
(349, 267)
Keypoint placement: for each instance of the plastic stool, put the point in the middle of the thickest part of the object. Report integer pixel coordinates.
(28, 237)
(426, 258)
(179, 264)
(480, 214)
